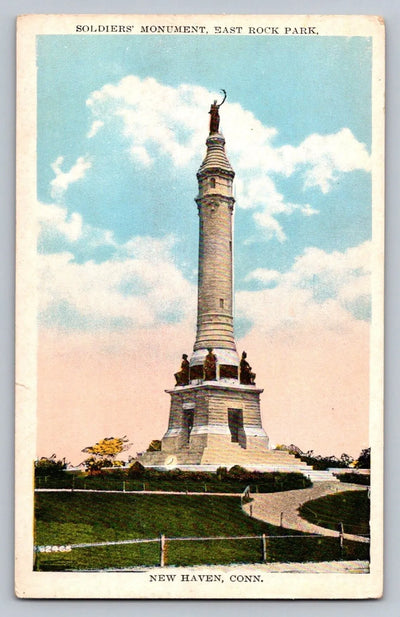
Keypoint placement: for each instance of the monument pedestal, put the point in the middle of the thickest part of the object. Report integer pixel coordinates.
(214, 414)
(216, 424)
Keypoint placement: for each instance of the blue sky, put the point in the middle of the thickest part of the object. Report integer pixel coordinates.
(122, 122)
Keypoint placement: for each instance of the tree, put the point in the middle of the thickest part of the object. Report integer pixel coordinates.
(104, 452)
(364, 460)
(292, 449)
(346, 459)
(49, 466)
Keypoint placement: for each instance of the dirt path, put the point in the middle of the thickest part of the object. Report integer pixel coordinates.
(268, 507)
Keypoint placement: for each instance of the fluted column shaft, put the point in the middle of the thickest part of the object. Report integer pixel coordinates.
(215, 285)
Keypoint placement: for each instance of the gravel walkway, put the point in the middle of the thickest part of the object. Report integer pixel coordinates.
(268, 507)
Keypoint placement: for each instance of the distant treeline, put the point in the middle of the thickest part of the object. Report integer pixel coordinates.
(325, 462)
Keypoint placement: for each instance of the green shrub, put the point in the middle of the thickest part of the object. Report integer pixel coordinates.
(221, 473)
(136, 470)
(154, 446)
(50, 467)
(354, 478)
(238, 472)
(95, 466)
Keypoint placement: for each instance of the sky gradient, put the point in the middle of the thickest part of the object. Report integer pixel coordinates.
(122, 123)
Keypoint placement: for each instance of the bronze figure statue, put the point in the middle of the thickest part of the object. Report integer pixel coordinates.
(182, 376)
(246, 376)
(214, 112)
(210, 366)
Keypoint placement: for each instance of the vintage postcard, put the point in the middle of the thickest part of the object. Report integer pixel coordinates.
(199, 379)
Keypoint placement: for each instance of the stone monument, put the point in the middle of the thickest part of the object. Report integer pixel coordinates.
(215, 414)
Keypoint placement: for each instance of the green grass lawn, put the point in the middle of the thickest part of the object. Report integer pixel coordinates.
(72, 518)
(352, 508)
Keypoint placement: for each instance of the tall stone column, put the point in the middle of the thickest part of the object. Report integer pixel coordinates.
(215, 285)
(215, 416)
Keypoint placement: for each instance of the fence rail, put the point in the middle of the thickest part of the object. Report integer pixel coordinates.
(172, 539)
(165, 542)
(333, 523)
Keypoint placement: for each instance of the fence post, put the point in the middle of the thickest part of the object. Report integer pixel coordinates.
(123, 485)
(341, 531)
(281, 520)
(36, 566)
(264, 547)
(251, 509)
(162, 550)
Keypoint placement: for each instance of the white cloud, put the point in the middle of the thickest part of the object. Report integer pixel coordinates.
(141, 155)
(55, 219)
(56, 225)
(158, 120)
(263, 275)
(161, 120)
(323, 157)
(95, 127)
(322, 289)
(63, 179)
(154, 116)
(140, 287)
(307, 210)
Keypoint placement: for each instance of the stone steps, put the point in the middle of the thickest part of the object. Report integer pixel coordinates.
(321, 476)
(212, 457)
(235, 455)
(229, 455)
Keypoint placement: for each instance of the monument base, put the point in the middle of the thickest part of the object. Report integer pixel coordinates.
(217, 423)
(209, 459)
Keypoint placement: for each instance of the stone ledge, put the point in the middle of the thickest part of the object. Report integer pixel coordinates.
(216, 385)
